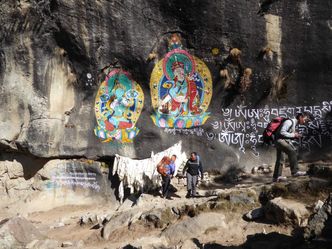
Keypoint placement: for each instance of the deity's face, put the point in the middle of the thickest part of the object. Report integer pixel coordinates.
(179, 73)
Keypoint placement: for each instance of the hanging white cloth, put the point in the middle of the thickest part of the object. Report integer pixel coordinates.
(139, 174)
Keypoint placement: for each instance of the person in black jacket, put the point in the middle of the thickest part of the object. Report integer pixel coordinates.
(193, 168)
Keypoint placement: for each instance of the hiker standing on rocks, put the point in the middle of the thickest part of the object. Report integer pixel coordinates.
(166, 179)
(284, 143)
(193, 168)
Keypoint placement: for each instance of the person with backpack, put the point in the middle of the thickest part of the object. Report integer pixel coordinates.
(193, 168)
(284, 136)
(167, 176)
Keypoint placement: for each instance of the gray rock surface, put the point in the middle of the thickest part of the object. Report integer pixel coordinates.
(59, 182)
(320, 223)
(14, 169)
(189, 244)
(17, 232)
(280, 210)
(47, 48)
(118, 221)
(192, 227)
(43, 244)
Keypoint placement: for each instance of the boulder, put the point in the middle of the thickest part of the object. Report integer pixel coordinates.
(193, 227)
(243, 197)
(67, 244)
(320, 223)
(93, 219)
(17, 232)
(118, 221)
(159, 218)
(43, 244)
(254, 214)
(14, 169)
(3, 168)
(321, 170)
(73, 182)
(280, 210)
(189, 244)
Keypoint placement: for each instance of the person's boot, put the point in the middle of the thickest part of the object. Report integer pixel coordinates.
(188, 195)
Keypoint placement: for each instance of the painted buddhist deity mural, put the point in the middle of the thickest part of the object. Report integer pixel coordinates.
(181, 88)
(118, 105)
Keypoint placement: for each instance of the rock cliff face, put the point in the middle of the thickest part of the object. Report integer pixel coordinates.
(54, 55)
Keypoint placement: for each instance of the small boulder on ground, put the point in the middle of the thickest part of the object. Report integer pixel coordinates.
(16, 232)
(280, 210)
(254, 214)
(43, 244)
(320, 223)
(193, 227)
(118, 221)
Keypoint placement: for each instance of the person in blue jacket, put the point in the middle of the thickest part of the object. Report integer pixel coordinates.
(166, 179)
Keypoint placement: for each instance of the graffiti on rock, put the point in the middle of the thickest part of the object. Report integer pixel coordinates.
(181, 89)
(83, 180)
(118, 105)
(73, 176)
(197, 131)
(243, 127)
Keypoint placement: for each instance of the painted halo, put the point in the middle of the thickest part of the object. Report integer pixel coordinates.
(178, 56)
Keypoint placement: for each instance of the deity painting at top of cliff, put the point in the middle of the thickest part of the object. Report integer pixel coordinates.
(181, 89)
(118, 105)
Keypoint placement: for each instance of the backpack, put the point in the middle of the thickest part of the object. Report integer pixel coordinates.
(272, 130)
(161, 166)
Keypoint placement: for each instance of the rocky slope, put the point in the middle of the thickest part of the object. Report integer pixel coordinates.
(295, 214)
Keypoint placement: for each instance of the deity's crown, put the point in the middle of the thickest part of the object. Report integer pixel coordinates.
(177, 64)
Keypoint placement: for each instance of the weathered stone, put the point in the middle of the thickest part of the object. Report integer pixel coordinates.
(93, 219)
(18, 184)
(320, 223)
(118, 221)
(17, 232)
(154, 219)
(15, 169)
(318, 205)
(82, 180)
(159, 217)
(45, 60)
(3, 168)
(281, 210)
(80, 244)
(43, 244)
(318, 184)
(192, 227)
(320, 170)
(243, 197)
(254, 214)
(189, 244)
(67, 244)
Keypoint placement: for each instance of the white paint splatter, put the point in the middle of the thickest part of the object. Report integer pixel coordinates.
(329, 24)
(274, 35)
(304, 10)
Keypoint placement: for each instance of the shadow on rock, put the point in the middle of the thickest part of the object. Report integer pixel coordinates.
(272, 241)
